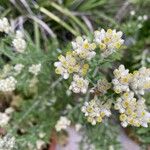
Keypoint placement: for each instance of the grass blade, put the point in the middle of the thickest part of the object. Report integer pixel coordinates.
(68, 13)
(57, 19)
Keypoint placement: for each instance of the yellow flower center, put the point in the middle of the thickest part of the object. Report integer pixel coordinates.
(109, 31)
(123, 117)
(86, 45)
(99, 119)
(89, 109)
(102, 46)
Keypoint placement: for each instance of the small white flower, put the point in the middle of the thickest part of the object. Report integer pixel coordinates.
(68, 92)
(145, 17)
(42, 135)
(68, 107)
(9, 110)
(4, 25)
(140, 25)
(8, 84)
(124, 124)
(18, 68)
(79, 84)
(132, 13)
(140, 18)
(62, 123)
(40, 144)
(78, 127)
(35, 69)
(19, 43)
(4, 119)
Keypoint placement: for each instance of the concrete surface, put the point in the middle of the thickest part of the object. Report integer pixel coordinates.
(75, 137)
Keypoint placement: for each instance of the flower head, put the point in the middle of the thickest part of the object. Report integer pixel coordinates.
(109, 41)
(83, 49)
(95, 111)
(79, 84)
(18, 68)
(8, 84)
(35, 69)
(4, 119)
(62, 123)
(4, 25)
(132, 12)
(145, 17)
(19, 43)
(122, 79)
(140, 80)
(66, 65)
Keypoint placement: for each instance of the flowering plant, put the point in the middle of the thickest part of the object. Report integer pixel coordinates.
(130, 86)
(102, 78)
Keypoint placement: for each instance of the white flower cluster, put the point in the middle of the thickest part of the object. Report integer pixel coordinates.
(133, 111)
(79, 84)
(122, 78)
(35, 69)
(125, 81)
(83, 48)
(62, 123)
(7, 142)
(66, 65)
(95, 111)
(8, 84)
(132, 12)
(4, 119)
(4, 25)
(18, 68)
(141, 18)
(40, 144)
(140, 80)
(109, 41)
(19, 43)
(83, 51)
(5, 116)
